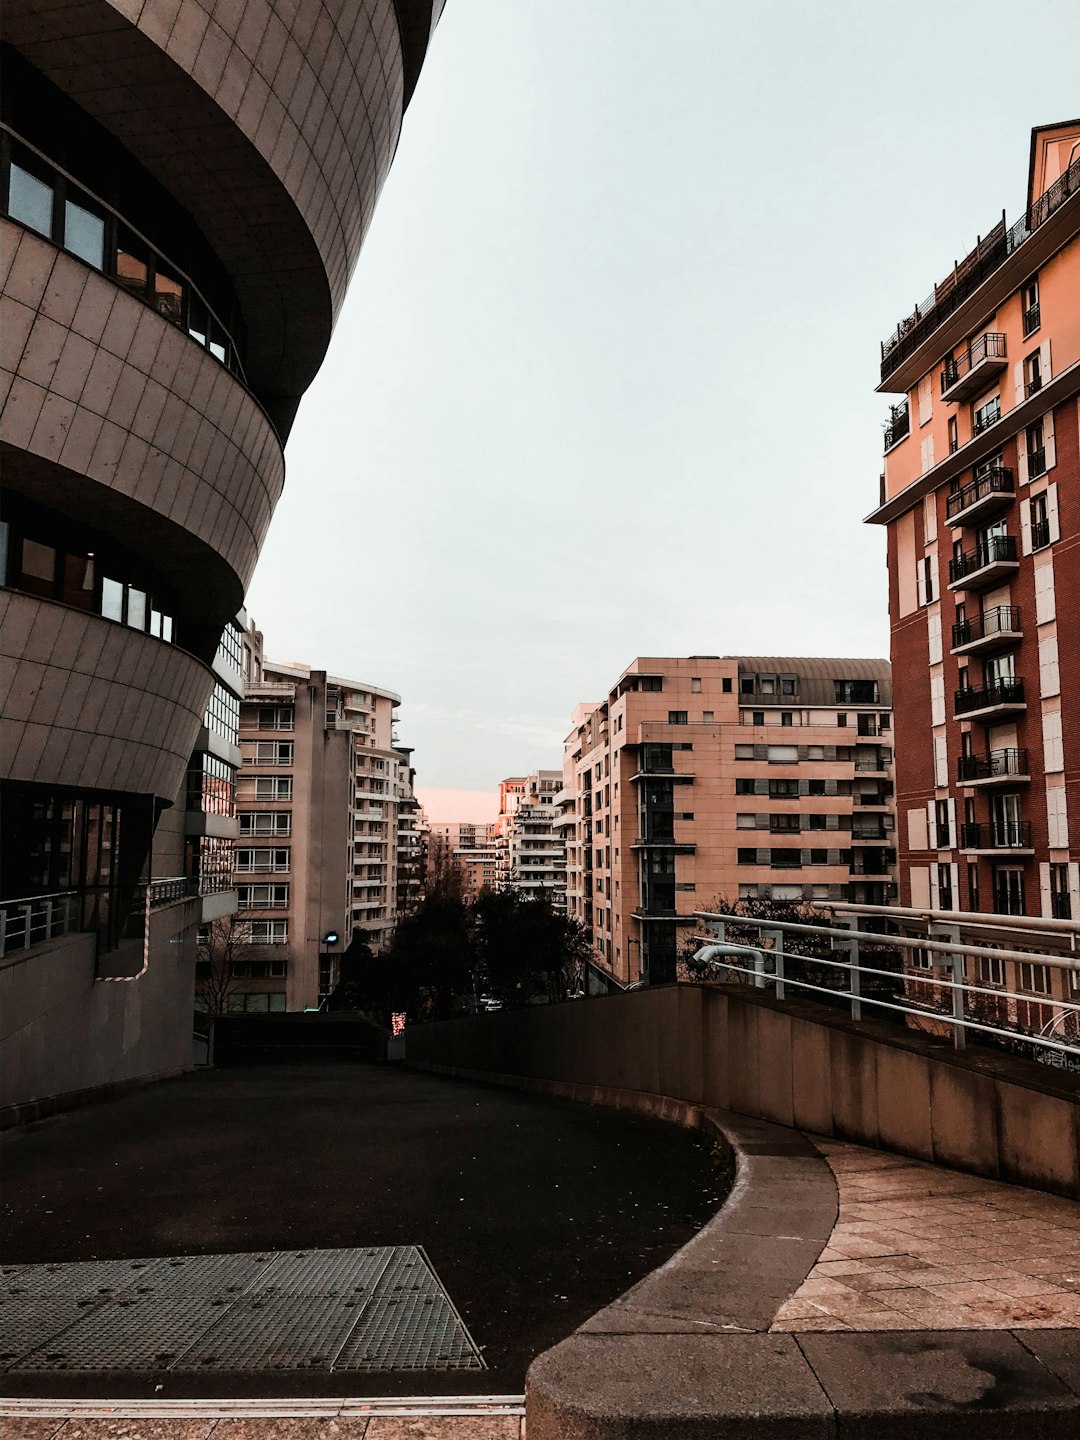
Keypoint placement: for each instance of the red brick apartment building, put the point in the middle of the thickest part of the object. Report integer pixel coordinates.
(981, 496)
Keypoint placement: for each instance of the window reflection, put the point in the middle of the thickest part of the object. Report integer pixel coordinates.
(30, 200)
(168, 296)
(112, 599)
(132, 268)
(84, 234)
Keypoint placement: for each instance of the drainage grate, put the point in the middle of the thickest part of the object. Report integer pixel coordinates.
(371, 1309)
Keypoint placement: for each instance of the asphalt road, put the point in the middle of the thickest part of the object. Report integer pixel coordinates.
(534, 1212)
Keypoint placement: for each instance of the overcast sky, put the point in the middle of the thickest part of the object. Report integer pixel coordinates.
(603, 384)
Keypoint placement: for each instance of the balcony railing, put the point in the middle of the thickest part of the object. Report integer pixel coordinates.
(1000, 620)
(1040, 534)
(998, 835)
(32, 920)
(986, 697)
(968, 371)
(988, 256)
(993, 484)
(1032, 319)
(997, 550)
(994, 765)
(899, 425)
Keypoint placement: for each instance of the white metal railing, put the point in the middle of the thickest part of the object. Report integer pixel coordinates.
(34, 919)
(769, 962)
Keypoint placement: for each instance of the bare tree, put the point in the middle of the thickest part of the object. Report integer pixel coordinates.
(223, 955)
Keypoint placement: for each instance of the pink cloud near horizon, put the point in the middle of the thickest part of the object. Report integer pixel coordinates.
(470, 806)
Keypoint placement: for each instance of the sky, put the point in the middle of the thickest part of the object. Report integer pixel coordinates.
(603, 384)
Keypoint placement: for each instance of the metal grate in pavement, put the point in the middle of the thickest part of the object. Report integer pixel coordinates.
(26, 1323)
(127, 1335)
(365, 1309)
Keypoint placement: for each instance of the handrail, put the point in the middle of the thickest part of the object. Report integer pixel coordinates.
(997, 480)
(953, 952)
(948, 296)
(29, 920)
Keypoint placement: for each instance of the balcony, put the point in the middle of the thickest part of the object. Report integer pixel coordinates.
(991, 253)
(870, 764)
(990, 562)
(974, 368)
(870, 835)
(662, 842)
(997, 697)
(1040, 534)
(996, 767)
(1000, 836)
(994, 629)
(899, 426)
(989, 493)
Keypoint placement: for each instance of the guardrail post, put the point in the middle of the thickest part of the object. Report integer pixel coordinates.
(851, 947)
(777, 937)
(27, 913)
(48, 919)
(3, 931)
(951, 934)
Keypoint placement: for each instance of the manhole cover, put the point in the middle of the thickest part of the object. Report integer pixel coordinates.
(380, 1308)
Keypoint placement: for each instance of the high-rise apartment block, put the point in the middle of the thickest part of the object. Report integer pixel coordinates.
(981, 496)
(184, 192)
(729, 778)
(319, 798)
(468, 848)
(530, 841)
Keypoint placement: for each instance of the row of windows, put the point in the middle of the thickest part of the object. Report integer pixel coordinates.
(262, 897)
(793, 859)
(230, 649)
(223, 715)
(790, 789)
(41, 197)
(73, 577)
(763, 821)
(209, 863)
(211, 786)
(791, 754)
(268, 752)
(262, 861)
(265, 822)
(266, 787)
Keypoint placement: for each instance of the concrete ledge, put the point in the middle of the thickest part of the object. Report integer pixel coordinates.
(27, 1111)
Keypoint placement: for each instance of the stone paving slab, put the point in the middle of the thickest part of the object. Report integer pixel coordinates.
(917, 1246)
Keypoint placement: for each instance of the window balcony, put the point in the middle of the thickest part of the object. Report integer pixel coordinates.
(989, 493)
(974, 368)
(899, 426)
(994, 629)
(662, 842)
(1040, 534)
(996, 767)
(1000, 836)
(990, 562)
(870, 835)
(999, 697)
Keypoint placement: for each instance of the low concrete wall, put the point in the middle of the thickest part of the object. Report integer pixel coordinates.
(795, 1064)
(67, 1033)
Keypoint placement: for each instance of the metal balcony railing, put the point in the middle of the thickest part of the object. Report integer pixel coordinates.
(987, 347)
(899, 424)
(997, 549)
(982, 697)
(1040, 534)
(1032, 319)
(34, 919)
(1001, 620)
(996, 481)
(997, 835)
(994, 765)
(989, 254)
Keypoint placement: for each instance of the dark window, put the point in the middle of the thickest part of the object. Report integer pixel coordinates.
(759, 717)
(726, 684)
(678, 717)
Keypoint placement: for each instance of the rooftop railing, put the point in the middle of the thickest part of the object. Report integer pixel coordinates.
(989, 255)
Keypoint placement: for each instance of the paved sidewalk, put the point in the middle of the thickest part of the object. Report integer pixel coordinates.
(919, 1247)
(380, 1427)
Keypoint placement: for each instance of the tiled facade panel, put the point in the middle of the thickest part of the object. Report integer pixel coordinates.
(199, 92)
(89, 703)
(96, 381)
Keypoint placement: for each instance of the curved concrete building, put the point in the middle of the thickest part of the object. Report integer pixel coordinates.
(185, 189)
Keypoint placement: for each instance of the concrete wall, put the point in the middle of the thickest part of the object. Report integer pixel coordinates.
(797, 1065)
(64, 1030)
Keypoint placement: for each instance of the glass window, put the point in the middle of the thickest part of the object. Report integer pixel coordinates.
(167, 628)
(30, 200)
(168, 296)
(132, 269)
(218, 340)
(112, 599)
(84, 234)
(79, 581)
(198, 322)
(38, 568)
(136, 608)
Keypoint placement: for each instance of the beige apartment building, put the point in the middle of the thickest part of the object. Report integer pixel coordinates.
(320, 791)
(735, 777)
(529, 836)
(467, 847)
